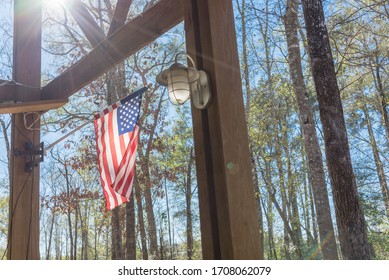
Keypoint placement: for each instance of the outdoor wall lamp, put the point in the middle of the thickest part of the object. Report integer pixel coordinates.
(182, 81)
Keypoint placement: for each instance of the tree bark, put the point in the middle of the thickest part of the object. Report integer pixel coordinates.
(350, 220)
(258, 195)
(189, 222)
(141, 224)
(68, 212)
(171, 241)
(284, 200)
(291, 188)
(383, 99)
(316, 175)
(152, 228)
(116, 235)
(269, 216)
(377, 161)
(130, 230)
(50, 234)
(145, 159)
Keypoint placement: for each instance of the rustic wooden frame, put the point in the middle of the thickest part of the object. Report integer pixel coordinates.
(227, 208)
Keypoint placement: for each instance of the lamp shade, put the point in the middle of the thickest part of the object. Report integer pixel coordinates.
(178, 79)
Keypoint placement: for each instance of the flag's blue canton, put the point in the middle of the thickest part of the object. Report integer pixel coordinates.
(128, 114)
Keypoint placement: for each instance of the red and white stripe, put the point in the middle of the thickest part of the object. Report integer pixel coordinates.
(116, 157)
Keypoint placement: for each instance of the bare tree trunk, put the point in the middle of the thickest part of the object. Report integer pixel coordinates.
(245, 66)
(130, 229)
(284, 200)
(314, 220)
(161, 243)
(84, 232)
(69, 213)
(168, 221)
(350, 219)
(270, 218)
(75, 231)
(50, 234)
(382, 97)
(152, 229)
(107, 239)
(58, 243)
(291, 188)
(257, 192)
(145, 158)
(141, 225)
(377, 161)
(189, 222)
(307, 202)
(316, 174)
(270, 232)
(96, 256)
(116, 248)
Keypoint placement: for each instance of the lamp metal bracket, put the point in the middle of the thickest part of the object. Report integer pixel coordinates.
(33, 155)
(201, 91)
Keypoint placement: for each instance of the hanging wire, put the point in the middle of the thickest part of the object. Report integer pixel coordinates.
(31, 210)
(30, 127)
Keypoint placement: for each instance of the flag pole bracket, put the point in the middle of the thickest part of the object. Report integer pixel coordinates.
(33, 154)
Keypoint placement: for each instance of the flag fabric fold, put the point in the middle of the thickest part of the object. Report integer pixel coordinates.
(117, 130)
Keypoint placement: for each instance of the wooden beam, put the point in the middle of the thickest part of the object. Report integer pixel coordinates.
(120, 15)
(88, 25)
(206, 186)
(227, 205)
(125, 42)
(32, 106)
(23, 233)
(10, 91)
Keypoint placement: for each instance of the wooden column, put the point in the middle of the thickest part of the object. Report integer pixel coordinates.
(228, 215)
(23, 235)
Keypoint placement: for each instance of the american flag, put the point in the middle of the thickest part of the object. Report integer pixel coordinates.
(117, 130)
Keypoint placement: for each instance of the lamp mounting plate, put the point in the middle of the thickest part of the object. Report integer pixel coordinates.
(201, 91)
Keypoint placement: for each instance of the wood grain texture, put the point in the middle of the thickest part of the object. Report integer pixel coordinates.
(120, 15)
(23, 235)
(221, 130)
(18, 93)
(123, 43)
(206, 187)
(32, 106)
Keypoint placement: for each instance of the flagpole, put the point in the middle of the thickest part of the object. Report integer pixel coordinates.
(65, 136)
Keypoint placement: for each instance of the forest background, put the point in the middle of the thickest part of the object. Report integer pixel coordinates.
(292, 186)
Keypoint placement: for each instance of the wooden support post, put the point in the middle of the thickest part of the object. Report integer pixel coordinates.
(23, 237)
(229, 225)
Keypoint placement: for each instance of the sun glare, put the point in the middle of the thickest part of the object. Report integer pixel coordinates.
(54, 3)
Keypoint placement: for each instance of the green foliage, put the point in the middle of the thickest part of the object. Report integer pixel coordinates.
(380, 242)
